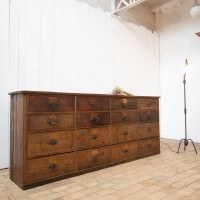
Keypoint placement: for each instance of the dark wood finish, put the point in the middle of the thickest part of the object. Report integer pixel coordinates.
(51, 121)
(149, 146)
(93, 157)
(119, 103)
(92, 119)
(45, 167)
(59, 135)
(91, 103)
(148, 116)
(148, 130)
(40, 144)
(50, 103)
(17, 147)
(123, 117)
(148, 103)
(87, 138)
(124, 133)
(124, 151)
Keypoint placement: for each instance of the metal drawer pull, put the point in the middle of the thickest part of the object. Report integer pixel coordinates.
(94, 104)
(125, 150)
(149, 116)
(148, 104)
(53, 105)
(125, 132)
(53, 142)
(124, 103)
(53, 122)
(148, 145)
(149, 129)
(94, 119)
(52, 166)
(125, 118)
(94, 157)
(93, 137)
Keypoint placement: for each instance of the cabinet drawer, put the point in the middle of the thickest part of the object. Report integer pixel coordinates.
(93, 103)
(94, 157)
(123, 103)
(123, 117)
(123, 133)
(124, 151)
(47, 167)
(49, 142)
(50, 103)
(92, 119)
(38, 122)
(149, 146)
(85, 138)
(148, 116)
(148, 130)
(148, 103)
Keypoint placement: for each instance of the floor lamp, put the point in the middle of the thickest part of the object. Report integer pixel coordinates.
(185, 140)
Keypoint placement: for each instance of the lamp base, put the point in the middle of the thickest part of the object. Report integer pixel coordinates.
(185, 144)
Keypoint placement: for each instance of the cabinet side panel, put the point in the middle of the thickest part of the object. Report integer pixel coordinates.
(12, 132)
(17, 136)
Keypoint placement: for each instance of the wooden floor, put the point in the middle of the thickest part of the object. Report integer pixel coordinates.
(168, 175)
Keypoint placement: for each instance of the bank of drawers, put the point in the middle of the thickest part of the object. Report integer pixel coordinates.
(67, 134)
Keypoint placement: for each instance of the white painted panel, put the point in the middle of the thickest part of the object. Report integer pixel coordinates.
(22, 44)
(136, 67)
(47, 45)
(33, 44)
(69, 46)
(14, 45)
(4, 83)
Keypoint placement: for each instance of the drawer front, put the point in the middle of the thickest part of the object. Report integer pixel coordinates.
(124, 151)
(148, 130)
(148, 116)
(94, 157)
(148, 103)
(50, 103)
(92, 119)
(85, 138)
(49, 142)
(51, 166)
(38, 122)
(124, 133)
(123, 117)
(123, 103)
(93, 103)
(149, 146)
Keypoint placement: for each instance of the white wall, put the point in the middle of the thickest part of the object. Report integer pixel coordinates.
(178, 42)
(66, 45)
(4, 83)
(69, 46)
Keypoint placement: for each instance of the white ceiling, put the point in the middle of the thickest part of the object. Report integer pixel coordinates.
(157, 3)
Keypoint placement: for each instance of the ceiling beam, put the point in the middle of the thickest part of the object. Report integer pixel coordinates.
(127, 4)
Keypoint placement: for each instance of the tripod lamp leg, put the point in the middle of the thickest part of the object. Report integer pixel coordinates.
(193, 145)
(180, 145)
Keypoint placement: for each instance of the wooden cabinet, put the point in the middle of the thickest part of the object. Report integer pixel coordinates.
(59, 135)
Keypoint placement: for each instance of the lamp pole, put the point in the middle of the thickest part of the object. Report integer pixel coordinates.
(185, 140)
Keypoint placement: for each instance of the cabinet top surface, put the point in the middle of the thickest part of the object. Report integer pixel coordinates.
(80, 94)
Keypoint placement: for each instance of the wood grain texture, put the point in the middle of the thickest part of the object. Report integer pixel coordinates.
(77, 133)
(87, 138)
(124, 133)
(17, 145)
(45, 143)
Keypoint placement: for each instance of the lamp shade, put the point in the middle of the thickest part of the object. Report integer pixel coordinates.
(195, 11)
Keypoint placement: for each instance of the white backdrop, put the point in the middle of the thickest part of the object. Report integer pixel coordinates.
(178, 42)
(66, 45)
